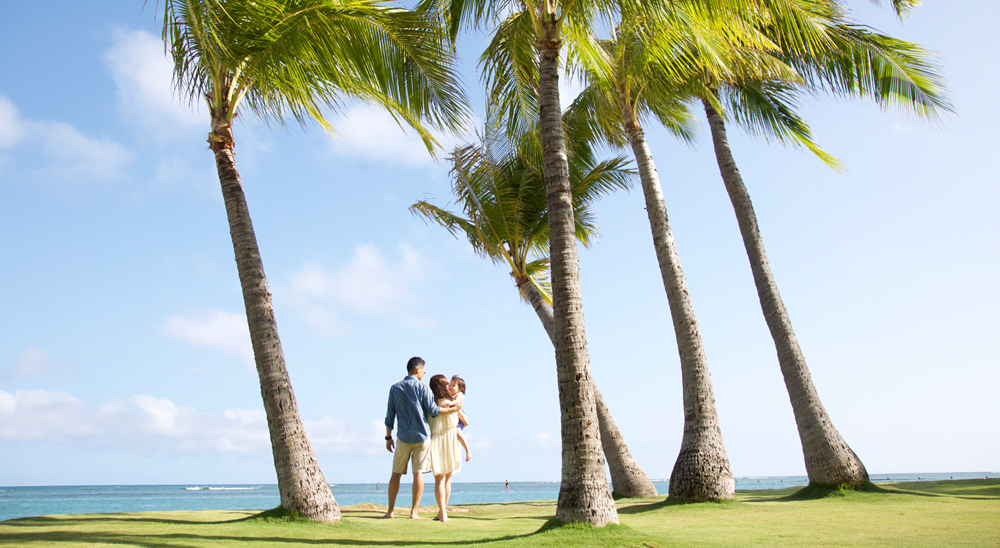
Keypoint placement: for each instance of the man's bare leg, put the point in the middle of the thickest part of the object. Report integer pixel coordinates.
(418, 491)
(393, 491)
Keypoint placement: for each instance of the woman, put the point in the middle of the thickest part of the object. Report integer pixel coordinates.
(445, 450)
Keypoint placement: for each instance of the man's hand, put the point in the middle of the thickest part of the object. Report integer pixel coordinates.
(389, 444)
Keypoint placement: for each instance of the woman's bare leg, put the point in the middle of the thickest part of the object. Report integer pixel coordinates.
(440, 493)
(447, 490)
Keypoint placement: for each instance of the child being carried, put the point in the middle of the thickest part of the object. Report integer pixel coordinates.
(457, 390)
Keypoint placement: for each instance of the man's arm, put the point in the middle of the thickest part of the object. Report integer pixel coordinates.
(390, 419)
(431, 409)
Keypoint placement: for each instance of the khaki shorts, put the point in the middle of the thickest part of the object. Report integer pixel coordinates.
(419, 453)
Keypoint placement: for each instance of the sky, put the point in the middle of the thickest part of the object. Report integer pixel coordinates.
(124, 353)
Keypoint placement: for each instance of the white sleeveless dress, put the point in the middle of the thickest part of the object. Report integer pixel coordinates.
(446, 452)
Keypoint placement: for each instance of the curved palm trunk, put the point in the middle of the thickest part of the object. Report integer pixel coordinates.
(584, 495)
(300, 481)
(627, 478)
(829, 460)
(702, 470)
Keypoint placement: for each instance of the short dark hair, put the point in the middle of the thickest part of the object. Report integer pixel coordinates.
(439, 386)
(413, 364)
(460, 382)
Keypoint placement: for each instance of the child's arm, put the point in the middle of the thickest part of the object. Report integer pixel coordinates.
(463, 418)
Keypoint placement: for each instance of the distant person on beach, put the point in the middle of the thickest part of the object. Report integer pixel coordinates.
(411, 403)
(446, 452)
(457, 390)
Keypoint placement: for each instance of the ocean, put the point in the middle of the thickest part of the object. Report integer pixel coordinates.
(18, 502)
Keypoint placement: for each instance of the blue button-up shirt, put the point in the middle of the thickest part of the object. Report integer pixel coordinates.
(411, 401)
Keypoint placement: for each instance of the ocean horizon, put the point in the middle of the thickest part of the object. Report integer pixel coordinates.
(28, 501)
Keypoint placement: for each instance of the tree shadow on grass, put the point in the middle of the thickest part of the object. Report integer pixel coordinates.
(653, 506)
(817, 491)
(191, 540)
(122, 517)
(277, 516)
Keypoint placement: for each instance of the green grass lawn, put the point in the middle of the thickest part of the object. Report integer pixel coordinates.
(946, 513)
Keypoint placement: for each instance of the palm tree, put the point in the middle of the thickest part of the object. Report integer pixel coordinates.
(584, 495)
(293, 57)
(856, 61)
(500, 189)
(632, 85)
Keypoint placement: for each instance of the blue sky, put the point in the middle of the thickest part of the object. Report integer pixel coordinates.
(124, 356)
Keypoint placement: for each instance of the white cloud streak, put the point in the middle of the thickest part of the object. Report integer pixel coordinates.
(371, 135)
(143, 75)
(220, 329)
(544, 439)
(145, 423)
(34, 361)
(369, 284)
(10, 124)
(69, 157)
(75, 157)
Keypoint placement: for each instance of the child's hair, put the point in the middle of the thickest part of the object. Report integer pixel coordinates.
(460, 382)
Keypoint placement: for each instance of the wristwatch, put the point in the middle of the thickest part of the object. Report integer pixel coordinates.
(387, 438)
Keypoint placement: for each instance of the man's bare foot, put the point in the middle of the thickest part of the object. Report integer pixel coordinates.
(413, 515)
(388, 515)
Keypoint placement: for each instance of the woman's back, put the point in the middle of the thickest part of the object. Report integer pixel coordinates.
(443, 422)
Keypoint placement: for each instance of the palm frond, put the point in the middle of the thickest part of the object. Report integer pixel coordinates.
(768, 110)
(300, 58)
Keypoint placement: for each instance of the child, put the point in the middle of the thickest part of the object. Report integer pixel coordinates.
(457, 390)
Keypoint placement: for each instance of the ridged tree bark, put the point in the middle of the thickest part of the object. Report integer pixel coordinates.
(829, 460)
(702, 471)
(627, 478)
(584, 495)
(301, 484)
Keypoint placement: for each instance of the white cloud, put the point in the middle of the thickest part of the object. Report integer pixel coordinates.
(219, 329)
(10, 124)
(35, 361)
(37, 415)
(369, 284)
(329, 435)
(143, 75)
(146, 422)
(75, 157)
(183, 428)
(545, 439)
(371, 135)
(68, 156)
(325, 321)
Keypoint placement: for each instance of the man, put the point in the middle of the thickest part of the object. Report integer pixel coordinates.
(411, 402)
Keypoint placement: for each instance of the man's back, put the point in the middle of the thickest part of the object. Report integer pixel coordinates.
(410, 402)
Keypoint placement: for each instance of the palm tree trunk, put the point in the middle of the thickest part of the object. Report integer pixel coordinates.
(301, 483)
(627, 478)
(829, 460)
(584, 495)
(702, 470)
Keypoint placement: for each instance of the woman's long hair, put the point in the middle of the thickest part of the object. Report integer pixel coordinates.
(439, 386)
